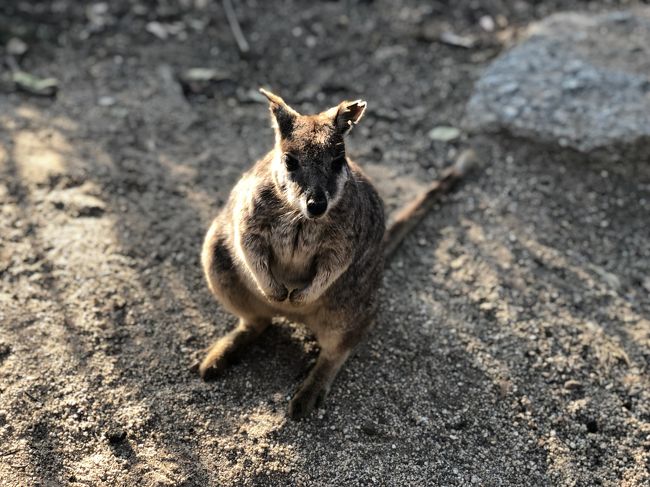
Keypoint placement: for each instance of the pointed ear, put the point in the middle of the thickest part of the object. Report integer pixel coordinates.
(283, 115)
(348, 114)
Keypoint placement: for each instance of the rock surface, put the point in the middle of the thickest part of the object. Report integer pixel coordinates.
(579, 80)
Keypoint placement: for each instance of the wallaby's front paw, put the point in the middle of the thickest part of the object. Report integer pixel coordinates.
(277, 293)
(305, 400)
(300, 296)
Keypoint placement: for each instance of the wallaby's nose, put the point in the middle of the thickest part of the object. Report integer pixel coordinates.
(316, 204)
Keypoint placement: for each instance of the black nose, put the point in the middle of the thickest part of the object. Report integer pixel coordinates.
(316, 205)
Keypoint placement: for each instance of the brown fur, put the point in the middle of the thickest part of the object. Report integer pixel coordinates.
(266, 255)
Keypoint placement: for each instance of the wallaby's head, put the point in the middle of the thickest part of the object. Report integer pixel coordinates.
(309, 163)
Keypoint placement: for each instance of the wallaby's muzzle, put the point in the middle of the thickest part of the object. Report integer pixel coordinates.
(316, 203)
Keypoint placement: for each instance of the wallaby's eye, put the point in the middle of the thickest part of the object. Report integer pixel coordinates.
(291, 163)
(338, 163)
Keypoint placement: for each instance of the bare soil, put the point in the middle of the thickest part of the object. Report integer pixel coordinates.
(513, 346)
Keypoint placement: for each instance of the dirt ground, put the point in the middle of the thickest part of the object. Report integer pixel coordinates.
(513, 344)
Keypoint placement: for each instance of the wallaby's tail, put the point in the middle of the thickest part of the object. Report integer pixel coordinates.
(410, 214)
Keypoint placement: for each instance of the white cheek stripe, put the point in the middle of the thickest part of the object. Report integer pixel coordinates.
(289, 195)
(340, 184)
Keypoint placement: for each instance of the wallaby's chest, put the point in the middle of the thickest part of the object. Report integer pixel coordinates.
(294, 248)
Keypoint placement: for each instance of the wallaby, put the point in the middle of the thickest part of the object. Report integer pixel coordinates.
(301, 236)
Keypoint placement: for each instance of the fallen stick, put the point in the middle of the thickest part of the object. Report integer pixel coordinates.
(9, 453)
(34, 399)
(237, 33)
(410, 215)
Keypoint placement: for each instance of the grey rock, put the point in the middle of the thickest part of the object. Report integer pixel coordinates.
(578, 80)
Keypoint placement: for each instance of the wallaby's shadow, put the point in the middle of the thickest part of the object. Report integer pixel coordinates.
(280, 356)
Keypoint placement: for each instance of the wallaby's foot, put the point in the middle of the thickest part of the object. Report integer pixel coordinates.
(308, 398)
(225, 350)
(314, 389)
(277, 293)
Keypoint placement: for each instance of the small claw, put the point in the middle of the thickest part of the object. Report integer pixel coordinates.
(298, 409)
(304, 402)
(298, 296)
(210, 373)
(278, 297)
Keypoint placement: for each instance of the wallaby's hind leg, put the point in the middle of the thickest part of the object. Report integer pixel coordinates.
(335, 349)
(226, 348)
(314, 389)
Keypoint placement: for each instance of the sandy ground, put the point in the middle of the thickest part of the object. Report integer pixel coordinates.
(513, 344)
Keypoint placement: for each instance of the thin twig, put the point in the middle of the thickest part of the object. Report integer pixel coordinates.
(32, 397)
(8, 453)
(242, 43)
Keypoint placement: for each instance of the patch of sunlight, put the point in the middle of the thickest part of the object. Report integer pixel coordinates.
(40, 155)
(640, 333)
(447, 241)
(638, 473)
(480, 270)
(498, 252)
(606, 349)
(91, 468)
(559, 459)
(179, 170)
(262, 422)
(481, 276)
(257, 453)
(553, 259)
(64, 124)
(636, 327)
(30, 113)
(483, 360)
(575, 407)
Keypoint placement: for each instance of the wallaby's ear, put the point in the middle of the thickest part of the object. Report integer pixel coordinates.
(283, 115)
(348, 114)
